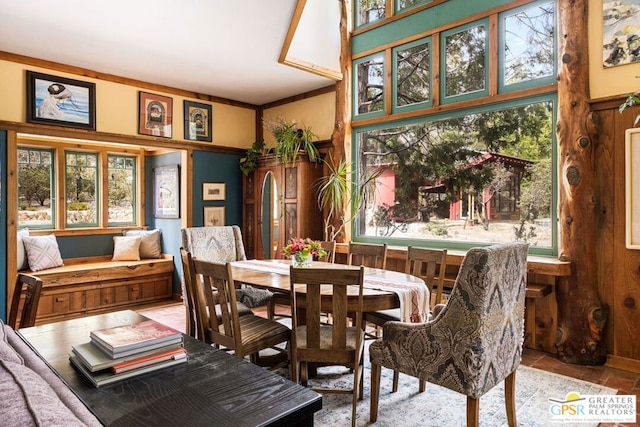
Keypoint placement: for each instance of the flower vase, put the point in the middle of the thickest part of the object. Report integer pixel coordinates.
(299, 260)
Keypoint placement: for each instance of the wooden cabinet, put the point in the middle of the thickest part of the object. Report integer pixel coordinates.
(280, 202)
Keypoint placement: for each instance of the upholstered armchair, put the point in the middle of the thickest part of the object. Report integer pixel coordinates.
(475, 341)
(223, 244)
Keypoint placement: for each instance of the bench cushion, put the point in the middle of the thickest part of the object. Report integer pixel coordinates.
(151, 245)
(42, 252)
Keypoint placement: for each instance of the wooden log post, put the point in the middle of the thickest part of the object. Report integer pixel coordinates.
(342, 127)
(581, 318)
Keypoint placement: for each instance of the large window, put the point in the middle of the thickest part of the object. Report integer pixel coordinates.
(98, 186)
(473, 160)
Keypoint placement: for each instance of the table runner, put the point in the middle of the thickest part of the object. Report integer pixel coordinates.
(414, 297)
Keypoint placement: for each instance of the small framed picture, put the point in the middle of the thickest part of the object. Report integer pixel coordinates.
(213, 190)
(166, 192)
(197, 121)
(213, 215)
(155, 115)
(59, 101)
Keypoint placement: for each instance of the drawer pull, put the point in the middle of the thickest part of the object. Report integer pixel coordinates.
(60, 299)
(132, 267)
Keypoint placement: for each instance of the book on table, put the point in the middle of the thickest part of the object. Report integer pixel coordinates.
(96, 359)
(106, 376)
(125, 340)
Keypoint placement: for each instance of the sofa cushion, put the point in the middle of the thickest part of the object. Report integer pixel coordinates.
(28, 400)
(7, 352)
(151, 245)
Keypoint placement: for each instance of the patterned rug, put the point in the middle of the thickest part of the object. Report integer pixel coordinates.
(441, 407)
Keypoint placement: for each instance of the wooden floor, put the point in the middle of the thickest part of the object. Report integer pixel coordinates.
(625, 382)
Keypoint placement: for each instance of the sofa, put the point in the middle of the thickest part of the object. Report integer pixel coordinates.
(31, 393)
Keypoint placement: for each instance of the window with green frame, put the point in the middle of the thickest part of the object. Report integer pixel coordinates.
(100, 188)
(81, 189)
(368, 11)
(35, 196)
(412, 74)
(483, 169)
(121, 190)
(369, 79)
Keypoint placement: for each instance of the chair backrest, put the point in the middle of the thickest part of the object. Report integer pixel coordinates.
(334, 282)
(485, 313)
(188, 292)
(31, 287)
(215, 244)
(330, 248)
(423, 263)
(367, 254)
(217, 289)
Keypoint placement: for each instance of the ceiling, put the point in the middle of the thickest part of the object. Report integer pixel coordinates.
(223, 48)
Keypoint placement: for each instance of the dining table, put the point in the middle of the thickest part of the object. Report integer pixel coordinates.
(382, 289)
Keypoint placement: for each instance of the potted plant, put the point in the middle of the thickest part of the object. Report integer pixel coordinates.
(632, 99)
(336, 191)
(250, 161)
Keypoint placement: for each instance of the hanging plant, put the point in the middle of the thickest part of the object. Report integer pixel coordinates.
(291, 138)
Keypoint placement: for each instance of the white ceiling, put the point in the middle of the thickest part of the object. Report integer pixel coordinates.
(223, 48)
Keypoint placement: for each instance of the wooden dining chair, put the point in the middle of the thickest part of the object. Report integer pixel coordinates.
(282, 299)
(313, 340)
(245, 335)
(31, 288)
(428, 264)
(367, 254)
(187, 295)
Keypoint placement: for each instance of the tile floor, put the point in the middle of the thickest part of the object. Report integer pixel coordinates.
(625, 382)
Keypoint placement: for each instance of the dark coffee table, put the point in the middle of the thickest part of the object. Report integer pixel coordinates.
(212, 388)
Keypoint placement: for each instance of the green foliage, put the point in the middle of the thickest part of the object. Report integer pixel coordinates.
(250, 161)
(632, 100)
(78, 206)
(34, 183)
(291, 139)
(120, 188)
(439, 229)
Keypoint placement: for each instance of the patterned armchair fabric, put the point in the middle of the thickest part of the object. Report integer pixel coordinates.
(223, 244)
(475, 342)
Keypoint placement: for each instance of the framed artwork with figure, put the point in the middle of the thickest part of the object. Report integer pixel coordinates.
(213, 215)
(197, 121)
(166, 192)
(58, 101)
(155, 115)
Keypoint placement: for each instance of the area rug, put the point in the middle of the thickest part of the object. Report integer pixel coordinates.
(441, 407)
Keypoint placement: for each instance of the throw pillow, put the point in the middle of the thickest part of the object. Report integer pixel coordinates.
(22, 253)
(126, 248)
(151, 245)
(42, 252)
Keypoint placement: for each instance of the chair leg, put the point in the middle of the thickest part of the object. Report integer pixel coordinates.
(473, 411)
(271, 309)
(375, 392)
(510, 398)
(396, 377)
(422, 386)
(304, 373)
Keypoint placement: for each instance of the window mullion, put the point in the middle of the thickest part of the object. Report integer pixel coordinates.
(103, 171)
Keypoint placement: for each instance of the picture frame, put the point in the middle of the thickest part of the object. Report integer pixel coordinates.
(213, 216)
(155, 115)
(632, 188)
(213, 190)
(198, 121)
(166, 192)
(59, 101)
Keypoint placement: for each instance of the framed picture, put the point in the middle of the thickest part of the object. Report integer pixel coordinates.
(213, 190)
(166, 192)
(632, 188)
(59, 101)
(155, 114)
(213, 215)
(197, 121)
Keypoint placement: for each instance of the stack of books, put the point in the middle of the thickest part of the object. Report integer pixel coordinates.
(113, 354)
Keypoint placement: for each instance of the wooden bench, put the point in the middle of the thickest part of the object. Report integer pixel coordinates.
(93, 285)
